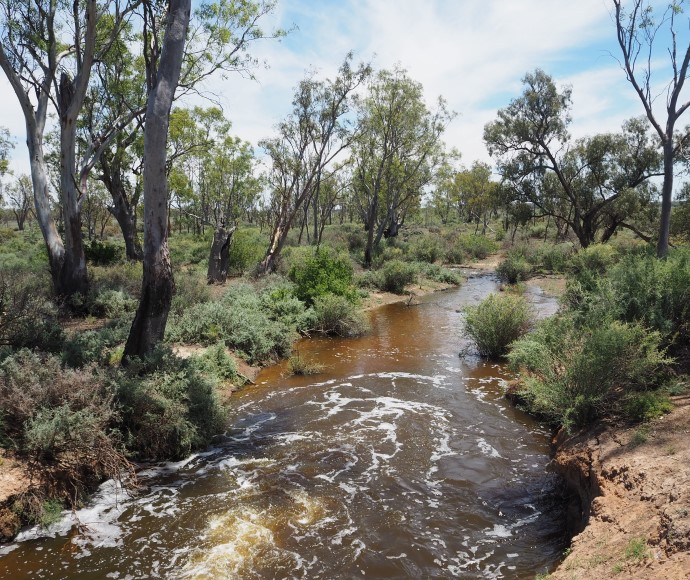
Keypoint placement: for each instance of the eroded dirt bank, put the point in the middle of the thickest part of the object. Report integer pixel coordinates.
(634, 486)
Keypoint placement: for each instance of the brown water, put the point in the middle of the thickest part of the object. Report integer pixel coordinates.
(401, 460)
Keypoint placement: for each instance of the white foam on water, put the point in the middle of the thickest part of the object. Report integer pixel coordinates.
(487, 449)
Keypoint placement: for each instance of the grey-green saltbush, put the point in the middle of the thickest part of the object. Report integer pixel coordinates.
(496, 322)
(338, 316)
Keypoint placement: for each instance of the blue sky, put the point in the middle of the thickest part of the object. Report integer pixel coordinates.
(472, 52)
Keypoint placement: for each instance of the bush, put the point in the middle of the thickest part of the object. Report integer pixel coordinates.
(28, 319)
(496, 322)
(190, 289)
(514, 269)
(323, 272)
(94, 346)
(168, 407)
(247, 248)
(427, 249)
(573, 374)
(244, 319)
(439, 274)
(300, 366)
(216, 364)
(395, 275)
(477, 247)
(124, 277)
(61, 416)
(551, 257)
(337, 316)
(112, 304)
(104, 253)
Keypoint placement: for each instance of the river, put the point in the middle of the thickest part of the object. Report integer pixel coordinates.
(400, 460)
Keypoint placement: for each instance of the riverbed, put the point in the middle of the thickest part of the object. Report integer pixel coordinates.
(401, 459)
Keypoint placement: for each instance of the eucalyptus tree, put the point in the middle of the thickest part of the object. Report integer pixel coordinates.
(20, 199)
(645, 31)
(162, 77)
(477, 193)
(309, 142)
(47, 51)
(397, 149)
(582, 183)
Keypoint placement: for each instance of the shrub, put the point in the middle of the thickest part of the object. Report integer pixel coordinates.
(168, 407)
(246, 250)
(514, 269)
(336, 315)
(112, 304)
(427, 249)
(124, 277)
(103, 253)
(396, 274)
(60, 415)
(297, 365)
(593, 260)
(323, 272)
(439, 274)
(243, 319)
(28, 319)
(215, 363)
(188, 249)
(477, 247)
(94, 346)
(190, 289)
(551, 257)
(573, 374)
(496, 322)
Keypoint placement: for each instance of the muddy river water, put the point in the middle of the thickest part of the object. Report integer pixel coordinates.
(400, 460)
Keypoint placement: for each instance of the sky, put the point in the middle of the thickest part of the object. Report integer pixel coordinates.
(474, 53)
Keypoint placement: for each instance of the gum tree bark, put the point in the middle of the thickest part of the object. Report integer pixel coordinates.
(220, 251)
(157, 289)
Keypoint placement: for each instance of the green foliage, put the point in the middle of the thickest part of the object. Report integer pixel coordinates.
(470, 246)
(190, 289)
(426, 248)
(593, 260)
(51, 512)
(28, 319)
(246, 250)
(94, 346)
(573, 373)
(297, 365)
(496, 322)
(514, 268)
(168, 407)
(438, 274)
(646, 405)
(216, 364)
(637, 550)
(551, 257)
(188, 249)
(323, 272)
(112, 304)
(124, 277)
(261, 324)
(396, 274)
(336, 315)
(50, 412)
(104, 253)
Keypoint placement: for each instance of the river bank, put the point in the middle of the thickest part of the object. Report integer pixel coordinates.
(633, 485)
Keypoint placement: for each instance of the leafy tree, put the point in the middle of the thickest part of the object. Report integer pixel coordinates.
(48, 61)
(395, 153)
(309, 141)
(594, 183)
(638, 28)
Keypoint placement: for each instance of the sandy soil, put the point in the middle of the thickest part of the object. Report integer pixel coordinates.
(635, 484)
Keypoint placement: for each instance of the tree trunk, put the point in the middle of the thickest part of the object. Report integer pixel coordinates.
(123, 209)
(666, 199)
(218, 260)
(148, 328)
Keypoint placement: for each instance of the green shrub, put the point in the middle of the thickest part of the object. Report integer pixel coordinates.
(593, 260)
(28, 319)
(427, 249)
(188, 249)
(551, 257)
(125, 277)
(103, 253)
(215, 363)
(244, 319)
(514, 268)
(496, 322)
(573, 374)
(338, 316)
(323, 272)
(51, 512)
(297, 365)
(646, 405)
(439, 274)
(94, 346)
(168, 407)
(247, 248)
(190, 289)
(473, 246)
(112, 304)
(396, 274)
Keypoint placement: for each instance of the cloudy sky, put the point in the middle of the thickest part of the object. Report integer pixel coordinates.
(472, 52)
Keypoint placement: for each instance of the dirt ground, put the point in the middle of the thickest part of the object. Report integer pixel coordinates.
(638, 481)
